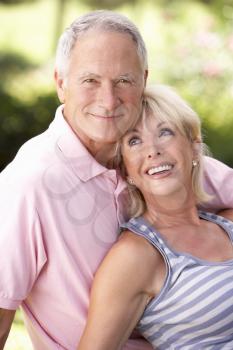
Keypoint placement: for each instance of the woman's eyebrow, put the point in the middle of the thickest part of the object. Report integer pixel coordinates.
(133, 131)
(160, 124)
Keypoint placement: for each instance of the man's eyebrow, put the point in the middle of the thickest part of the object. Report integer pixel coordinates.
(128, 74)
(87, 74)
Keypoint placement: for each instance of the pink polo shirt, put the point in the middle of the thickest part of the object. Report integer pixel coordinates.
(59, 215)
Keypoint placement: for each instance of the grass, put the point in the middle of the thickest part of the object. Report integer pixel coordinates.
(18, 338)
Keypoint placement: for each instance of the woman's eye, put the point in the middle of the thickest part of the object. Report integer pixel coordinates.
(166, 132)
(134, 141)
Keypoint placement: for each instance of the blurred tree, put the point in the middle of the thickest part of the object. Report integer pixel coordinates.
(20, 120)
(223, 9)
(190, 46)
(108, 4)
(197, 59)
(12, 64)
(14, 2)
(60, 14)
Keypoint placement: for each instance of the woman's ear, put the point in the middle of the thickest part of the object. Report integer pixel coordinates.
(197, 148)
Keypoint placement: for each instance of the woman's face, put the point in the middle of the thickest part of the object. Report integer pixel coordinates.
(158, 158)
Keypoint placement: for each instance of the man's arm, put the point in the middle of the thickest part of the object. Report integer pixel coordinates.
(218, 181)
(227, 213)
(6, 319)
(119, 296)
(139, 344)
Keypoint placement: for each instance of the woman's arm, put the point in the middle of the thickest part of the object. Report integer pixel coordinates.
(120, 292)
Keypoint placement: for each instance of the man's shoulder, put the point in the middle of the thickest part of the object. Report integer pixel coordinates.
(32, 161)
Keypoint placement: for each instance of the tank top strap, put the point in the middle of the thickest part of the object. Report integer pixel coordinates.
(142, 228)
(226, 224)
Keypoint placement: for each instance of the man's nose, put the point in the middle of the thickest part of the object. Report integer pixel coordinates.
(108, 97)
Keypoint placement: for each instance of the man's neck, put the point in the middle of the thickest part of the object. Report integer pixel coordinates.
(104, 154)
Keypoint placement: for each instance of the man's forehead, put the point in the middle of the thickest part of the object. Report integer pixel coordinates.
(97, 53)
(98, 75)
(91, 34)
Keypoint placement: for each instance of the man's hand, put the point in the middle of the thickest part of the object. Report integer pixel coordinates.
(6, 319)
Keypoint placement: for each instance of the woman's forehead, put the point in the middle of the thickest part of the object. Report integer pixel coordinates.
(152, 120)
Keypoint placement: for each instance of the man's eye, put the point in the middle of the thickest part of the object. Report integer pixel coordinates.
(166, 132)
(134, 141)
(123, 81)
(89, 81)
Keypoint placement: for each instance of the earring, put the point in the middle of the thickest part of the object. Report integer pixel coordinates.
(130, 181)
(194, 163)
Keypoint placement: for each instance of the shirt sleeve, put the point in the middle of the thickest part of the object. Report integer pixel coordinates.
(218, 181)
(22, 252)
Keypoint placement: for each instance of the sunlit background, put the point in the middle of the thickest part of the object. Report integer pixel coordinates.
(190, 46)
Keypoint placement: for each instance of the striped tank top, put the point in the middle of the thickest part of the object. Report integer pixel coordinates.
(194, 309)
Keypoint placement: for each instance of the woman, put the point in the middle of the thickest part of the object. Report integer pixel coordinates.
(171, 272)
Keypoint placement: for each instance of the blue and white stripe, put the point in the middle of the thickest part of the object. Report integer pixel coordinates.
(194, 310)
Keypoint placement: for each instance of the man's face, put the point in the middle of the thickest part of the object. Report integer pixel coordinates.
(102, 88)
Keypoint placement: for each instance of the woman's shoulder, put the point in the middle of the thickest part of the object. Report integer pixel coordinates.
(134, 243)
(139, 251)
(145, 260)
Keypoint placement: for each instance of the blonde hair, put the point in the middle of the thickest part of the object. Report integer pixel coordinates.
(166, 105)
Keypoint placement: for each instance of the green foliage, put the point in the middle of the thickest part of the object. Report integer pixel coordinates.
(108, 4)
(14, 2)
(18, 338)
(12, 64)
(196, 57)
(190, 47)
(20, 121)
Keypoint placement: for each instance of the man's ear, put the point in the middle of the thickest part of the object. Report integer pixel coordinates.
(60, 86)
(145, 76)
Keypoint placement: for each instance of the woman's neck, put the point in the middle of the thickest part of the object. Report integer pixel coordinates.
(172, 211)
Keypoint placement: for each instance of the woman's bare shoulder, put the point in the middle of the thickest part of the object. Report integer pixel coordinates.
(137, 245)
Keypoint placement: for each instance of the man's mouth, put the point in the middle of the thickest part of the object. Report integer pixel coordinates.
(159, 169)
(106, 117)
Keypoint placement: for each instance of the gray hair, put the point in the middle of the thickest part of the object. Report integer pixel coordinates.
(101, 20)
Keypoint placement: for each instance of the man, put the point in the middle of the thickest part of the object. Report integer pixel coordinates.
(61, 202)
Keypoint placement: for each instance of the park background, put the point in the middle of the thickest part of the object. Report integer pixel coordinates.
(190, 46)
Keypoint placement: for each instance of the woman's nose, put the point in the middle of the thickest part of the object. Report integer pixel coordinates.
(152, 154)
(154, 150)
